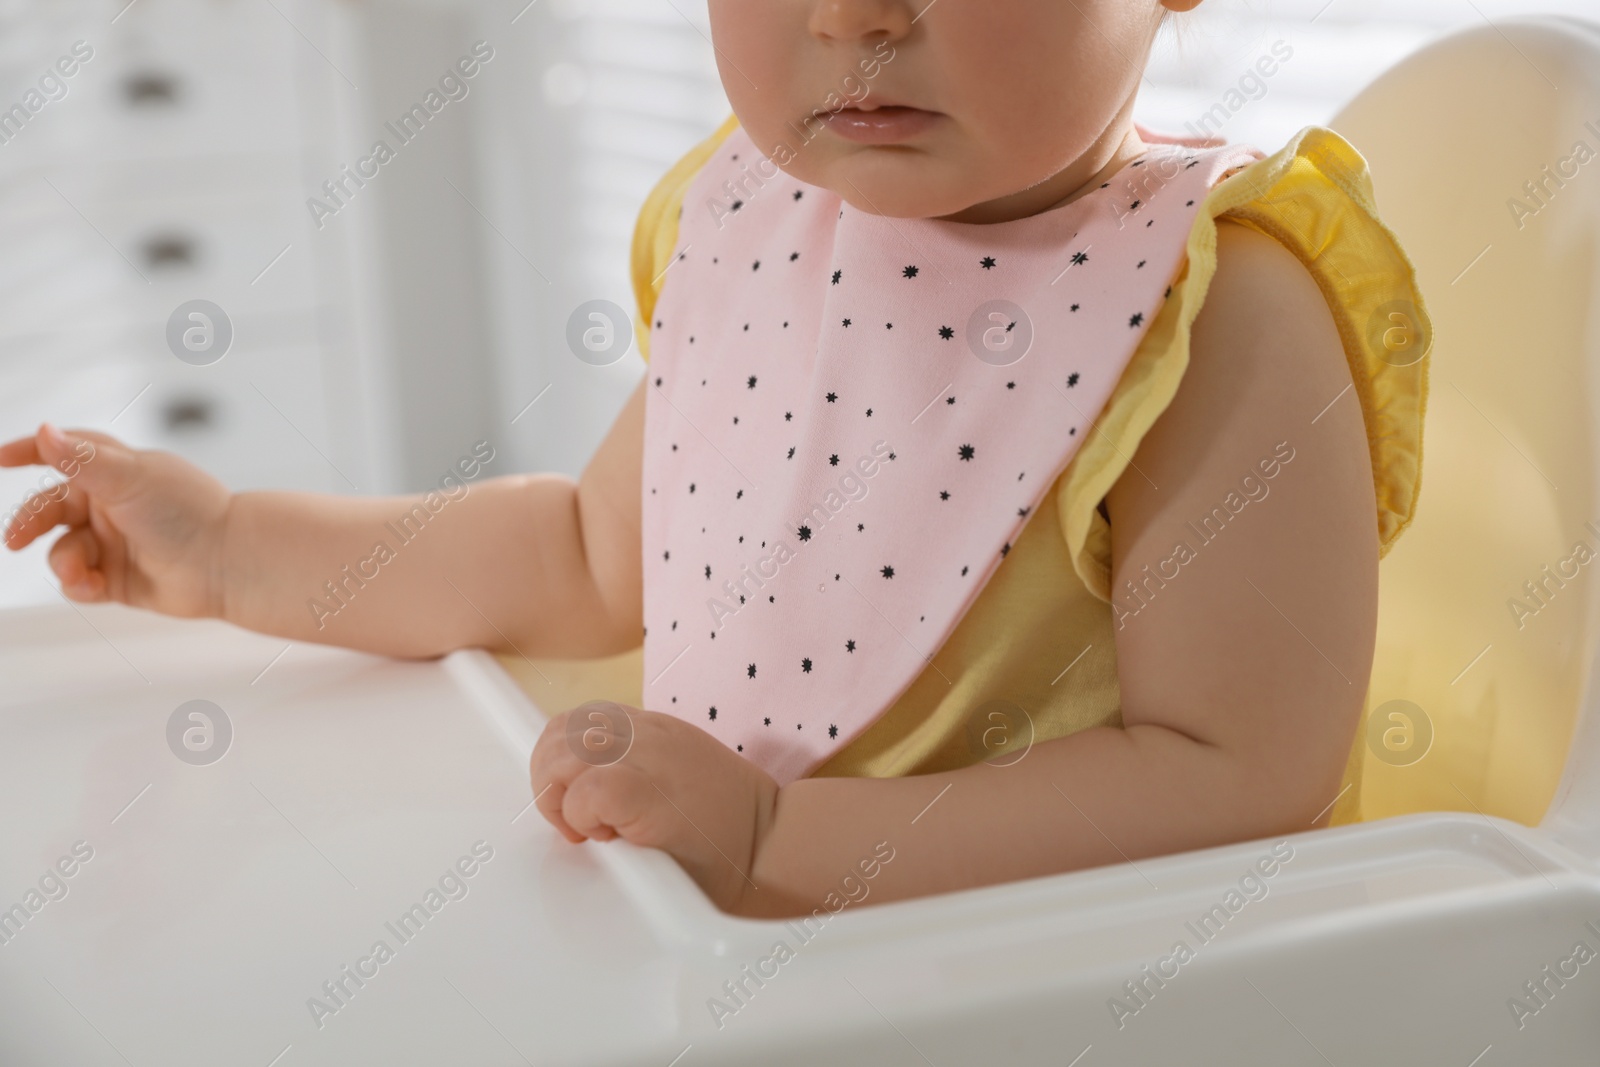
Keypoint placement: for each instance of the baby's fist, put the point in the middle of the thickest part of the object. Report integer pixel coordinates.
(603, 770)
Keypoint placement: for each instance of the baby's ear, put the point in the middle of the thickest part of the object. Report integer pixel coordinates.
(1178, 6)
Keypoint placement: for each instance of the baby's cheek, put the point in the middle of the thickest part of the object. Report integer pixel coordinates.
(759, 42)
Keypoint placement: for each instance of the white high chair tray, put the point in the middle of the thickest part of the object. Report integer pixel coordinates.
(219, 899)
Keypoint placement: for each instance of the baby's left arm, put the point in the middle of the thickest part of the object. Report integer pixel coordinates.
(1242, 673)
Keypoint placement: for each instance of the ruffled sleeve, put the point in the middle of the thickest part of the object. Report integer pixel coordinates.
(1315, 198)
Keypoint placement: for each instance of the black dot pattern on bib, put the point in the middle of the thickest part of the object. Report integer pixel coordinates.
(840, 388)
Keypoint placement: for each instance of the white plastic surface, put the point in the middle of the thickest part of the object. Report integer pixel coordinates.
(219, 898)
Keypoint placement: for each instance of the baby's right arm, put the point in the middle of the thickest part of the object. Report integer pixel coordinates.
(537, 564)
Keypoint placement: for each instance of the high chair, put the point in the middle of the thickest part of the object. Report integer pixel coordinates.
(226, 898)
(1488, 618)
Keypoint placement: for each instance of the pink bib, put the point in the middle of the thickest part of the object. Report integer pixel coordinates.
(851, 417)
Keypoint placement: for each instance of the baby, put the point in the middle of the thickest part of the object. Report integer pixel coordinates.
(1004, 493)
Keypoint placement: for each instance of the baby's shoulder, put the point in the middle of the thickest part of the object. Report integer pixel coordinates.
(1266, 369)
(1265, 329)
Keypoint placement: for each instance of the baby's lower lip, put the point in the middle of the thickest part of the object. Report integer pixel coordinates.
(884, 125)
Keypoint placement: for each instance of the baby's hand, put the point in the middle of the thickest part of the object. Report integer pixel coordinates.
(602, 771)
(143, 528)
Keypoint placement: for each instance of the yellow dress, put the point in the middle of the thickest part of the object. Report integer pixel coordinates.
(1040, 634)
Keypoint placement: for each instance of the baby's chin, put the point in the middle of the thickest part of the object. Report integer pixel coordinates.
(898, 183)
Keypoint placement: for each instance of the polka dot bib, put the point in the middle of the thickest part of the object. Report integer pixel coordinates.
(850, 418)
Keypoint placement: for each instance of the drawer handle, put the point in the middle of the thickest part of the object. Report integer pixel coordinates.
(150, 89)
(168, 251)
(185, 414)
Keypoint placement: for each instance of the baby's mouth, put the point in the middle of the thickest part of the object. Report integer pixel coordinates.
(891, 124)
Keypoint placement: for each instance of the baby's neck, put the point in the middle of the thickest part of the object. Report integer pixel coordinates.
(1116, 148)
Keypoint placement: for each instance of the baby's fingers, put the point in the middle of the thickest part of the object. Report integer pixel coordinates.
(43, 512)
(611, 801)
(549, 799)
(21, 452)
(75, 558)
(549, 775)
(593, 736)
